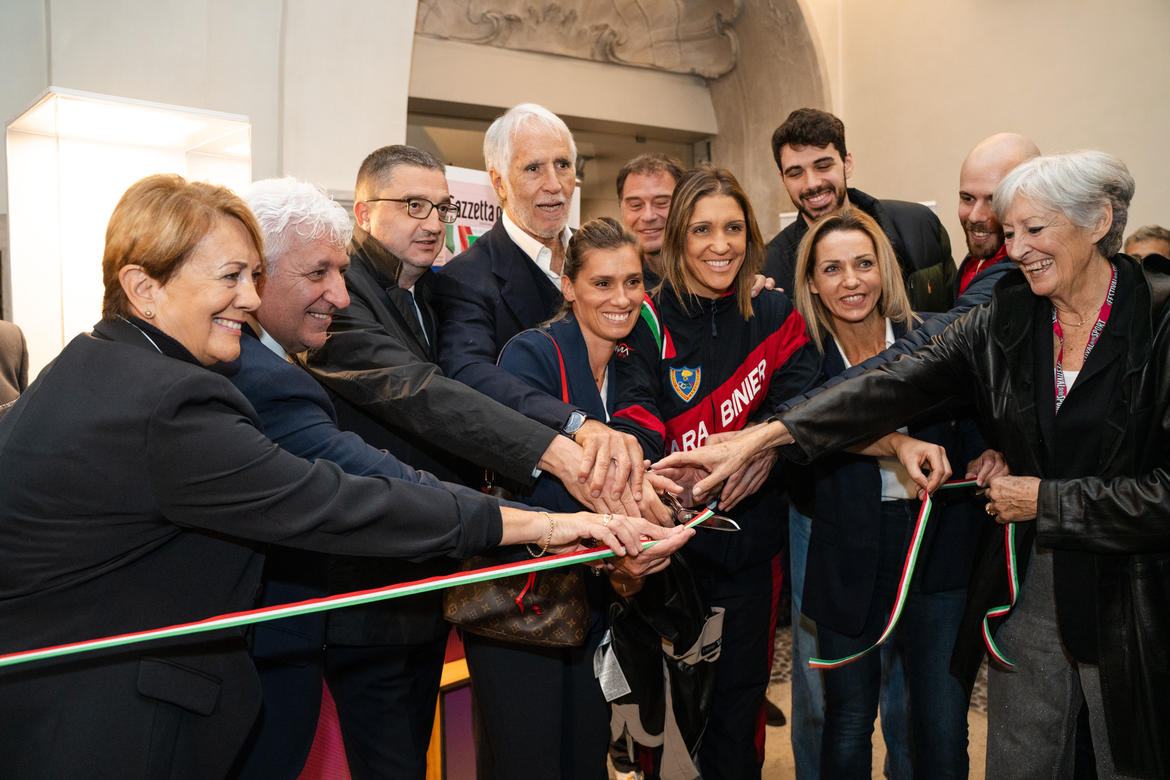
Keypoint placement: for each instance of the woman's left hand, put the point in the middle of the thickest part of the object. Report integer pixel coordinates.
(926, 463)
(1012, 499)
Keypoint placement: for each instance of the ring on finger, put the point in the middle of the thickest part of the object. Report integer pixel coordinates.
(605, 520)
(991, 510)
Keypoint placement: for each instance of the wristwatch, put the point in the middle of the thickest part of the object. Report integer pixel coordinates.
(573, 424)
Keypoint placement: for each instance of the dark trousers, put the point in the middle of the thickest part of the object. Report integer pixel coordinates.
(925, 636)
(732, 746)
(540, 714)
(386, 699)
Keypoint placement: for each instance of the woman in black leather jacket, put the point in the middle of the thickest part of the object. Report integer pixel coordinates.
(1068, 369)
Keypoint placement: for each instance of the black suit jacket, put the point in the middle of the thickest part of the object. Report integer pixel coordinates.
(136, 487)
(486, 296)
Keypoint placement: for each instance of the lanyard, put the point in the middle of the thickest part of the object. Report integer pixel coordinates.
(1102, 318)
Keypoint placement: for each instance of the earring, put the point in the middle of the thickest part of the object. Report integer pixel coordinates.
(149, 314)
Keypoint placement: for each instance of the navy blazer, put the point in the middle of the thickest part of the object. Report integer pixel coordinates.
(486, 296)
(842, 555)
(531, 357)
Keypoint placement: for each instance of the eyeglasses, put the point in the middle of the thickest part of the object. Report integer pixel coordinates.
(420, 208)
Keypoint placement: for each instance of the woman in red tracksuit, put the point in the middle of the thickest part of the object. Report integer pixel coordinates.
(707, 359)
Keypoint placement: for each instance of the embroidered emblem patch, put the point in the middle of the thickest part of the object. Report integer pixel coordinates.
(685, 382)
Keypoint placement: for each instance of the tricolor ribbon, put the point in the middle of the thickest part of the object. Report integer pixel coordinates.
(400, 590)
(908, 568)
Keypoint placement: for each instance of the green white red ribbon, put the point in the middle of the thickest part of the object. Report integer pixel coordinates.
(908, 568)
(400, 590)
(1013, 575)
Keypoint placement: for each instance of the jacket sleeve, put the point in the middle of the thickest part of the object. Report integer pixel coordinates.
(1128, 514)
(211, 468)
(373, 369)
(930, 283)
(928, 382)
(977, 294)
(531, 358)
(639, 376)
(468, 349)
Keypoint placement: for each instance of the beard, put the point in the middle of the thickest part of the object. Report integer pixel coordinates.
(833, 207)
(986, 248)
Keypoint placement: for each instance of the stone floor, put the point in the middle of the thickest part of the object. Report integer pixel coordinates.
(778, 764)
(778, 750)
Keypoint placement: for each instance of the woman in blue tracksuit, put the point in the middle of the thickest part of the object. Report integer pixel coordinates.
(711, 359)
(541, 709)
(863, 509)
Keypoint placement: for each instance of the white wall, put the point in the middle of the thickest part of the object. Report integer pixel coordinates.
(922, 81)
(322, 84)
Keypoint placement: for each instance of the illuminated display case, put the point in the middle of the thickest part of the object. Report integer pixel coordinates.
(71, 155)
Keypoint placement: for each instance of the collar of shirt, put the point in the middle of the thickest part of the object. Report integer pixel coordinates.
(889, 342)
(536, 251)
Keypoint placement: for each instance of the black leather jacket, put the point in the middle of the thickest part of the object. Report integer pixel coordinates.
(1120, 514)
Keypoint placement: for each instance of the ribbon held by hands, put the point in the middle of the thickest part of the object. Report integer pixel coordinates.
(400, 590)
(908, 568)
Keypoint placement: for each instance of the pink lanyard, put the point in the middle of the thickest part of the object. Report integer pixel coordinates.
(1102, 318)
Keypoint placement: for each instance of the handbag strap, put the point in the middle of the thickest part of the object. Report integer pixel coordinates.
(561, 361)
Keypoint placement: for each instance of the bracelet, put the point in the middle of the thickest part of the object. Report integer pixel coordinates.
(552, 524)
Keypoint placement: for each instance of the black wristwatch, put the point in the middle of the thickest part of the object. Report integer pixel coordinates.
(573, 424)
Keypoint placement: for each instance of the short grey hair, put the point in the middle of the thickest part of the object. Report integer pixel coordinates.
(1078, 185)
(498, 143)
(289, 210)
(1148, 233)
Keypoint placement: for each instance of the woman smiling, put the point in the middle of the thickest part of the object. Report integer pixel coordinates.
(850, 529)
(718, 360)
(548, 696)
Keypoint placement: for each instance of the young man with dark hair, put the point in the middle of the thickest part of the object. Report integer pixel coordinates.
(815, 166)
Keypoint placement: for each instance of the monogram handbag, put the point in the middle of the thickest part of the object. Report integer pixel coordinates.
(547, 608)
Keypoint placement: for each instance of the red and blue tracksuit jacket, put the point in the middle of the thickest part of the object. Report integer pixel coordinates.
(689, 370)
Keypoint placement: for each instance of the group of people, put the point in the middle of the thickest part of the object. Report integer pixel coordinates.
(279, 403)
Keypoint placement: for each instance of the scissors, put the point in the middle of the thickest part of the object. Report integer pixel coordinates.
(684, 515)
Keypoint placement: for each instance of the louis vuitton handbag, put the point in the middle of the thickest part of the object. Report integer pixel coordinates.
(545, 608)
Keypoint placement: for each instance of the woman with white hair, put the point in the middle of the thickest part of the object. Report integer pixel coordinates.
(1069, 370)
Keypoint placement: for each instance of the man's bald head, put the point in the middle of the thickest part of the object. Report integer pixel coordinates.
(985, 167)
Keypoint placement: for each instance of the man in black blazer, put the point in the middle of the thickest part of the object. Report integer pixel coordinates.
(378, 363)
(509, 279)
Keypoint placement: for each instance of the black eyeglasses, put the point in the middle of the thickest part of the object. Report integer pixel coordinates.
(420, 208)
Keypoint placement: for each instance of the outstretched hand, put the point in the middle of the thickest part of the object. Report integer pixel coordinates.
(725, 457)
(926, 463)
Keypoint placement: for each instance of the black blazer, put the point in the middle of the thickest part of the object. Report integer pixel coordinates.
(135, 486)
(846, 509)
(486, 296)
